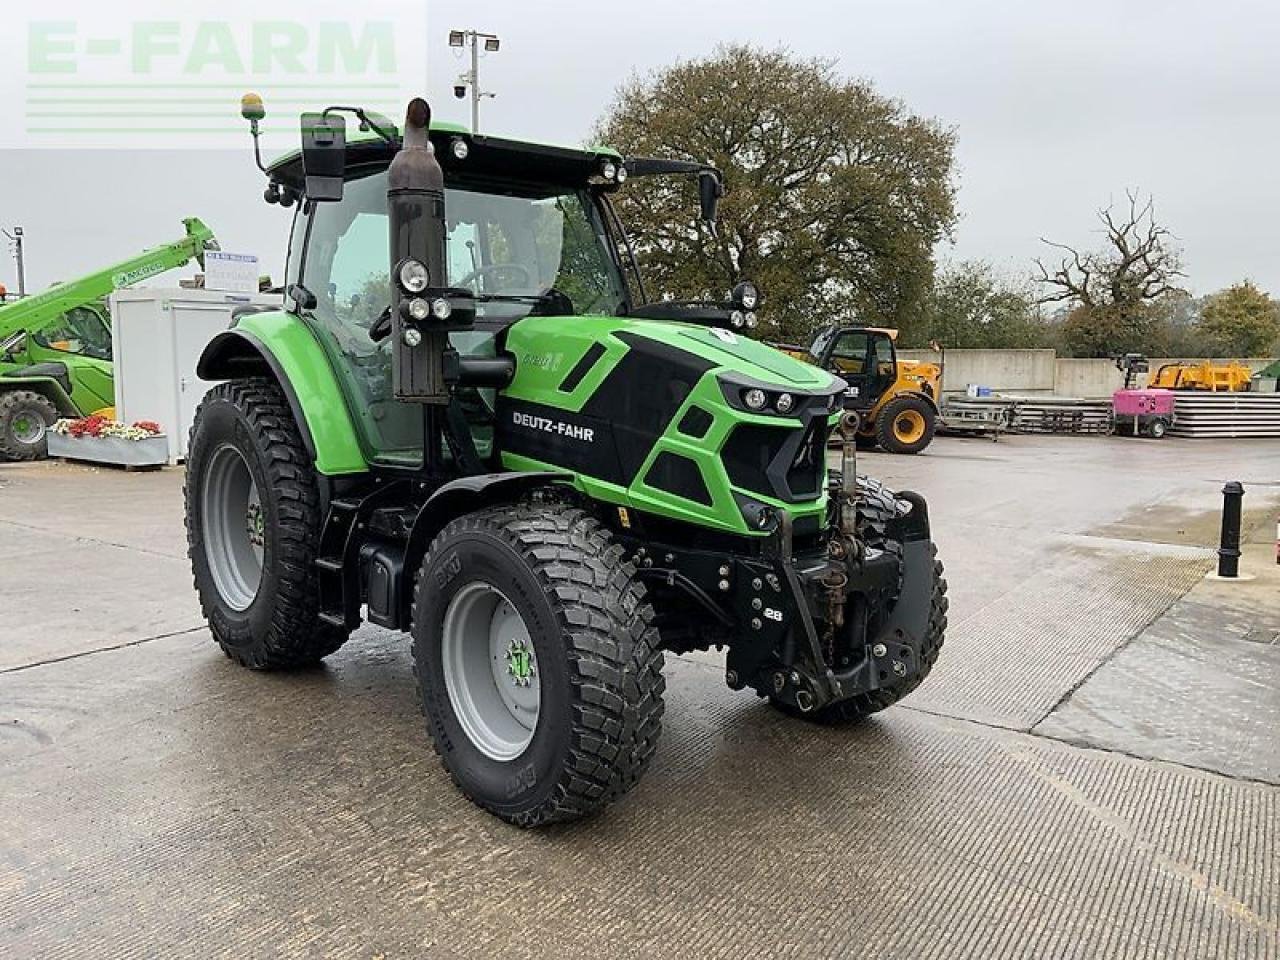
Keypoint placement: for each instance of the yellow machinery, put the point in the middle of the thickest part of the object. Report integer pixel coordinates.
(897, 399)
(1228, 376)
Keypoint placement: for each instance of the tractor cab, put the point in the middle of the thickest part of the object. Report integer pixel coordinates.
(863, 357)
(897, 401)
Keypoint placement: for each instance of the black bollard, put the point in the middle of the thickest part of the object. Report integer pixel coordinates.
(1229, 545)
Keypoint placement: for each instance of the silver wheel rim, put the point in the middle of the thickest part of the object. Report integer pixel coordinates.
(234, 527)
(491, 671)
(28, 427)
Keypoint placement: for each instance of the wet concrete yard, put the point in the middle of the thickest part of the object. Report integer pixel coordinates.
(1093, 770)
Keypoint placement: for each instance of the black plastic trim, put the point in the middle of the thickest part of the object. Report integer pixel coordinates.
(582, 368)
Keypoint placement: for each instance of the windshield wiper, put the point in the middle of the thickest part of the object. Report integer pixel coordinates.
(550, 302)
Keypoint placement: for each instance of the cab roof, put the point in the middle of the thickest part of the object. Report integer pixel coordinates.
(487, 157)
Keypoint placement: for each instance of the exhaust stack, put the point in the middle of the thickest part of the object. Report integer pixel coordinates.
(423, 308)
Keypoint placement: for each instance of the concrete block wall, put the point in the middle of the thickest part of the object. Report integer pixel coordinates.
(1041, 371)
(1017, 371)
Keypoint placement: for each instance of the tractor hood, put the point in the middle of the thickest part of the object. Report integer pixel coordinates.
(741, 354)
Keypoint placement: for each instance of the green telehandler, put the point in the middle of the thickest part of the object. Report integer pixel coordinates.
(469, 423)
(55, 346)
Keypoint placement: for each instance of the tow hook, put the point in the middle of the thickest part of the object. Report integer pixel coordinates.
(804, 697)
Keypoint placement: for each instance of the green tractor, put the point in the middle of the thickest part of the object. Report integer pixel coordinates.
(471, 424)
(55, 346)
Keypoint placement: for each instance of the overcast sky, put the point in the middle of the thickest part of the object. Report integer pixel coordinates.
(1058, 107)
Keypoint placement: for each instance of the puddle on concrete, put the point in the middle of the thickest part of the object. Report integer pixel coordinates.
(1097, 546)
(1166, 522)
(1267, 636)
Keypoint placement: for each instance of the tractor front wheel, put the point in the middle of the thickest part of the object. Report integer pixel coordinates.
(253, 527)
(537, 662)
(906, 424)
(25, 419)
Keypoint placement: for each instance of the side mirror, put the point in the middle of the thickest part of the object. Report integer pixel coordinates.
(324, 155)
(710, 190)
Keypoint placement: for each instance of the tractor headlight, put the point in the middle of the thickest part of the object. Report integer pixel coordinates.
(785, 403)
(755, 398)
(458, 147)
(750, 318)
(766, 519)
(622, 173)
(412, 336)
(418, 308)
(441, 309)
(609, 170)
(737, 318)
(413, 276)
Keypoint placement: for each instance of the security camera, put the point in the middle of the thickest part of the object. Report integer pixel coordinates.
(460, 90)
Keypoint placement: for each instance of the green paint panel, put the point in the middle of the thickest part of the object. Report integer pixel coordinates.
(315, 385)
(548, 348)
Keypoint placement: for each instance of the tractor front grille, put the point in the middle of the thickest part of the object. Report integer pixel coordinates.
(788, 463)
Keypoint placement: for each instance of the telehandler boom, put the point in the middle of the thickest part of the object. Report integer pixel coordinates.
(55, 346)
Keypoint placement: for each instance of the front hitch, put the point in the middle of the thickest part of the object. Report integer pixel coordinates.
(823, 598)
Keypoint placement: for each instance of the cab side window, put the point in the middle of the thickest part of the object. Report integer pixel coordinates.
(884, 355)
(358, 280)
(79, 331)
(850, 353)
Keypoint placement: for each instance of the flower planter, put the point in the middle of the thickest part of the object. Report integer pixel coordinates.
(148, 452)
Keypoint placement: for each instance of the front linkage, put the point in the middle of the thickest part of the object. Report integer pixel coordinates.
(813, 623)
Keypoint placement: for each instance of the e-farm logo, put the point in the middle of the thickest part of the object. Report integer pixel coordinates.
(167, 81)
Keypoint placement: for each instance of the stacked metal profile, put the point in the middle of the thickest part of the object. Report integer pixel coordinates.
(1061, 415)
(1037, 414)
(1204, 414)
(963, 415)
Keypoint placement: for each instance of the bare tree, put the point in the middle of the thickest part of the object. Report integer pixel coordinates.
(1113, 290)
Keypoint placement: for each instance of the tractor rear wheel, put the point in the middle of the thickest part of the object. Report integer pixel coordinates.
(25, 419)
(906, 424)
(253, 527)
(537, 662)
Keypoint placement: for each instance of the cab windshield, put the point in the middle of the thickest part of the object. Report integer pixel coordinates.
(532, 251)
(542, 251)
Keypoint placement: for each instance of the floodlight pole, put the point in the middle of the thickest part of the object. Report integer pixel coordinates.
(475, 38)
(475, 84)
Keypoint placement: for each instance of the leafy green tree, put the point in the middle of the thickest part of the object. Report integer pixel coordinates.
(970, 307)
(835, 197)
(1115, 294)
(1241, 321)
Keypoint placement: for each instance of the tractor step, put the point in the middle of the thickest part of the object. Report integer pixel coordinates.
(333, 619)
(329, 565)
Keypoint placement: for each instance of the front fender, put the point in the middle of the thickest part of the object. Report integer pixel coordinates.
(279, 345)
(48, 388)
(463, 496)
